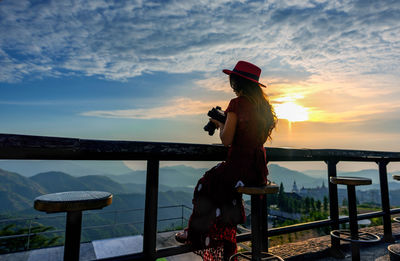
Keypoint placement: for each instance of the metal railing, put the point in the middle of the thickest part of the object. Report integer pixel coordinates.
(54, 148)
(29, 221)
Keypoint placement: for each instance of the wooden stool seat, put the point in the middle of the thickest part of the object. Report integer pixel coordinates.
(396, 177)
(270, 188)
(72, 202)
(355, 181)
(394, 251)
(362, 237)
(259, 224)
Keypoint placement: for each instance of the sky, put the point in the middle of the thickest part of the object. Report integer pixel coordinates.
(150, 70)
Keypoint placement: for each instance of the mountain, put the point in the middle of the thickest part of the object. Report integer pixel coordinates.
(316, 173)
(366, 173)
(58, 181)
(278, 174)
(17, 192)
(76, 168)
(174, 176)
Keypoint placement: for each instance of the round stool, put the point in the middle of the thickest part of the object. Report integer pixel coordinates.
(353, 235)
(394, 252)
(259, 223)
(72, 202)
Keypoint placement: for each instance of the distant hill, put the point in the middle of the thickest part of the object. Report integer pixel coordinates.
(17, 192)
(174, 176)
(280, 174)
(373, 174)
(75, 168)
(58, 181)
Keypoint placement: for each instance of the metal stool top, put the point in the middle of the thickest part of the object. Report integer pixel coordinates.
(356, 181)
(270, 188)
(72, 201)
(394, 251)
(362, 237)
(396, 177)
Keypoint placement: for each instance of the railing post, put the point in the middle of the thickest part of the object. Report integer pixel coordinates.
(150, 212)
(115, 223)
(29, 234)
(333, 207)
(387, 225)
(182, 216)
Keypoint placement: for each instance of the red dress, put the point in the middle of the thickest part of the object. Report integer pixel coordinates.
(217, 207)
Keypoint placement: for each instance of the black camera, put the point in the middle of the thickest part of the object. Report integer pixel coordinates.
(217, 114)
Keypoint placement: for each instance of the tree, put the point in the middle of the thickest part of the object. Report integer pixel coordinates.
(282, 202)
(36, 240)
(325, 204)
(318, 205)
(312, 204)
(307, 205)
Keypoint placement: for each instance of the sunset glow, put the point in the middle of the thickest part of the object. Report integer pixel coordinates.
(151, 70)
(291, 112)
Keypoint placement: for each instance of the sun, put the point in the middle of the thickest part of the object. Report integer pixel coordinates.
(291, 111)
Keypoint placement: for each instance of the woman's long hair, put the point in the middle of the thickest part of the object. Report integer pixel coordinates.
(252, 91)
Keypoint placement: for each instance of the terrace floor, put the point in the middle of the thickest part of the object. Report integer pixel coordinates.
(311, 249)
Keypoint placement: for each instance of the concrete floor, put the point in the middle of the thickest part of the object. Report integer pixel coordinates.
(101, 249)
(133, 244)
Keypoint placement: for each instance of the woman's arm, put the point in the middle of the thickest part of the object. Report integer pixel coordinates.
(227, 130)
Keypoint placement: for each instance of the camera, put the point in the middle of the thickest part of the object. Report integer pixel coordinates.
(217, 114)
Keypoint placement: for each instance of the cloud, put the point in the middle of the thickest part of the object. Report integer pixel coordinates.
(342, 57)
(176, 107)
(118, 40)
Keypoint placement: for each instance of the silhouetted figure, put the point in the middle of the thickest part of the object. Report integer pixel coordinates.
(217, 207)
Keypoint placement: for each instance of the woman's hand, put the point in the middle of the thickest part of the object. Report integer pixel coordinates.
(219, 124)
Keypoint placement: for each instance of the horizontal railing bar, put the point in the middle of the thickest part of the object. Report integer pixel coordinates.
(136, 256)
(172, 206)
(296, 228)
(167, 219)
(171, 251)
(54, 148)
(364, 216)
(395, 211)
(31, 234)
(32, 218)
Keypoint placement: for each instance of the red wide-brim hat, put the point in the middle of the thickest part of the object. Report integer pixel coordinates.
(246, 70)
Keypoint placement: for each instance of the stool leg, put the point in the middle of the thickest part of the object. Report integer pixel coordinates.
(355, 246)
(73, 235)
(259, 226)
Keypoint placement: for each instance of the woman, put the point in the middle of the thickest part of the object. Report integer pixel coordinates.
(217, 207)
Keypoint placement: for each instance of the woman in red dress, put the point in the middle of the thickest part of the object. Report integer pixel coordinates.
(217, 206)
